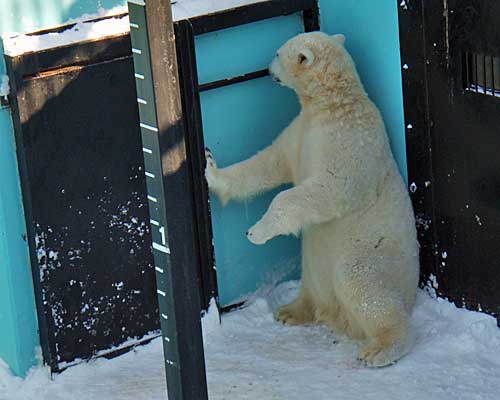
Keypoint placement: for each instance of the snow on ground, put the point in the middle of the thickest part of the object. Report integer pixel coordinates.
(457, 356)
(85, 30)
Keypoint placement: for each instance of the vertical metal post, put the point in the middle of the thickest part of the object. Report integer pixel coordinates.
(476, 73)
(189, 85)
(170, 194)
(485, 76)
(492, 75)
(310, 17)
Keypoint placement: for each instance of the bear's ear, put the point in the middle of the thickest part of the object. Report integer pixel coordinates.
(339, 38)
(306, 57)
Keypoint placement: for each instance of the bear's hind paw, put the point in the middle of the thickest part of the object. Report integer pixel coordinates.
(375, 355)
(290, 314)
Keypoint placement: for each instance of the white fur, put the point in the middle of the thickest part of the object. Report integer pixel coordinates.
(360, 252)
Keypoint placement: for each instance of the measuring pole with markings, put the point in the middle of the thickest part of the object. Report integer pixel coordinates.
(170, 201)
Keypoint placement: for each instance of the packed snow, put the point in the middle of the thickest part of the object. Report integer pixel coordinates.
(87, 30)
(251, 356)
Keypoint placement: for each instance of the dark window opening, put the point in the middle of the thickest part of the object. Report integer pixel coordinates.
(482, 74)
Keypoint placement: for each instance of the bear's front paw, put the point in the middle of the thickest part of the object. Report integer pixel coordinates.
(211, 169)
(214, 179)
(261, 232)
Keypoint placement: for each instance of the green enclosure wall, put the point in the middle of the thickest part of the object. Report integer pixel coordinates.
(238, 121)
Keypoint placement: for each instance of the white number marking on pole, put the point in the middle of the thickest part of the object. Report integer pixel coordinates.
(162, 232)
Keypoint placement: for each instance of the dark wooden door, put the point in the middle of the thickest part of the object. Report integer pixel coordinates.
(453, 77)
(79, 146)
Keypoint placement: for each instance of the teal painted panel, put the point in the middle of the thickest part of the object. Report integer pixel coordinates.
(234, 52)
(372, 32)
(18, 322)
(238, 121)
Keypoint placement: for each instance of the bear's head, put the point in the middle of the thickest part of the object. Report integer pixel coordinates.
(313, 63)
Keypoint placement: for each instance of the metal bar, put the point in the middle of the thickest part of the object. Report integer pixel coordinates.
(476, 72)
(248, 13)
(174, 230)
(230, 81)
(310, 17)
(466, 77)
(493, 75)
(485, 77)
(188, 71)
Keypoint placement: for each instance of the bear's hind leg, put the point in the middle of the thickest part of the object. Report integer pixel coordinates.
(386, 344)
(298, 312)
(381, 313)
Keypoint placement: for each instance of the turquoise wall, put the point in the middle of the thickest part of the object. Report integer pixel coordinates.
(372, 32)
(18, 323)
(238, 121)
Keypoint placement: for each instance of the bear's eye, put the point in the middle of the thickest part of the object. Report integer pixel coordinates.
(302, 58)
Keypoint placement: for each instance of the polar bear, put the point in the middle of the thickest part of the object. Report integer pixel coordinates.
(360, 255)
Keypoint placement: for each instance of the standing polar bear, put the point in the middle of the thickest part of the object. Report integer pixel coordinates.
(360, 263)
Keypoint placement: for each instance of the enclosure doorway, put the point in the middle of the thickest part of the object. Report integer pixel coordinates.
(453, 144)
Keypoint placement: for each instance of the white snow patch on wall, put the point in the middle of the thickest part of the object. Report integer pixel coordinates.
(4, 86)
